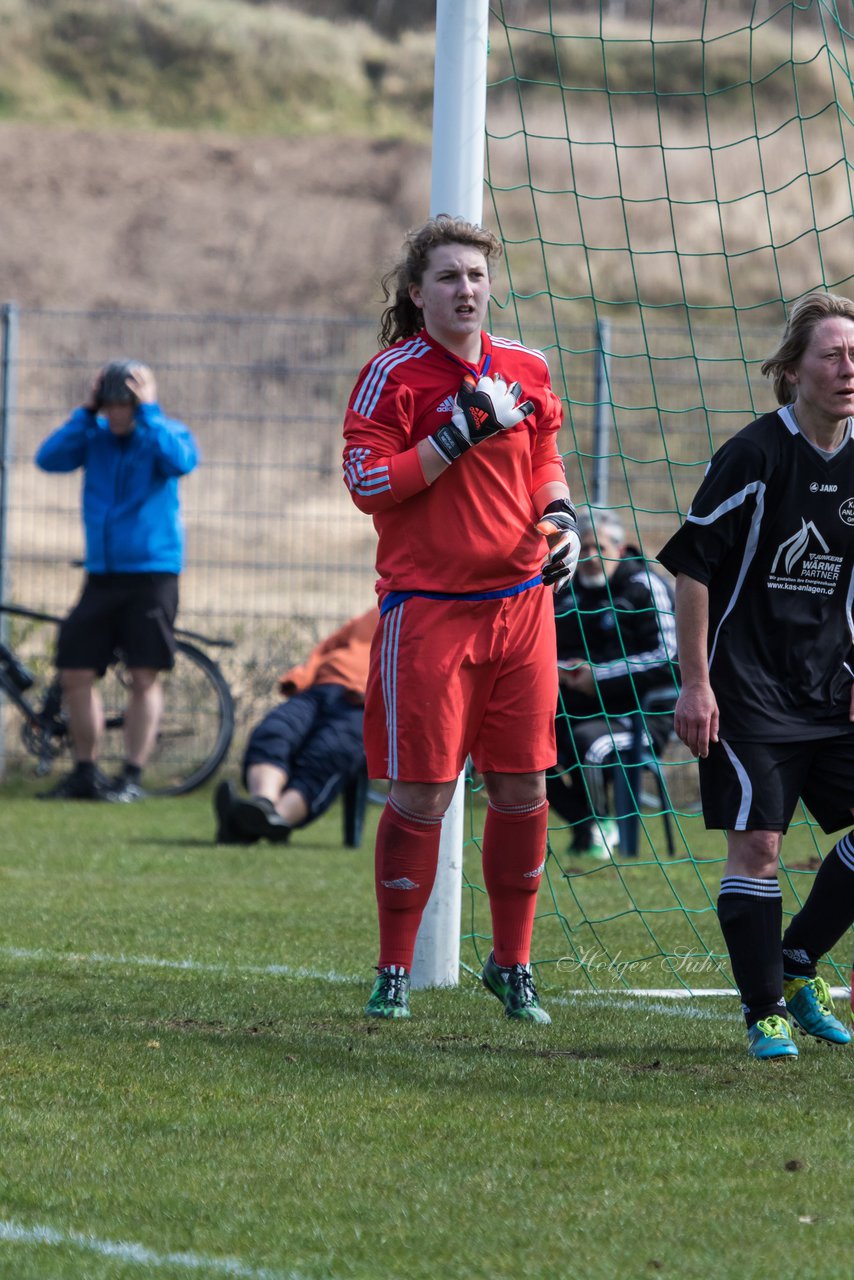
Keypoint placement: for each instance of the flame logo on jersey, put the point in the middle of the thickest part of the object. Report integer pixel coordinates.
(793, 549)
(804, 563)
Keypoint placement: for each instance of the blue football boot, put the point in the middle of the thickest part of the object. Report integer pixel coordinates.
(809, 1004)
(771, 1038)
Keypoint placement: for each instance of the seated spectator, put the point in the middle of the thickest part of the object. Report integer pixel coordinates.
(306, 749)
(616, 641)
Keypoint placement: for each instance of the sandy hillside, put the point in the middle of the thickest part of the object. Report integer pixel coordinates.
(190, 222)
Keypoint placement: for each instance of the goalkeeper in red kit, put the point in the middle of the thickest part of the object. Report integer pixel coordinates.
(451, 446)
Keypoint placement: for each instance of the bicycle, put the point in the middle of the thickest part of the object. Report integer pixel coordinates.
(196, 727)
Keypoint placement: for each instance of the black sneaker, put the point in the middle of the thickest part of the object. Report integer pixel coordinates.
(514, 987)
(225, 798)
(78, 786)
(256, 816)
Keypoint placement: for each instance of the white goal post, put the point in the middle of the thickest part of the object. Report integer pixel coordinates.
(459, 131)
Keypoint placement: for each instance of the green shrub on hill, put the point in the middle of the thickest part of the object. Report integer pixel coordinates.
(351, 68)
(209, 63)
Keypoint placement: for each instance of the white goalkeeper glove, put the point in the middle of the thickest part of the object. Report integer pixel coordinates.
(559, 526)
(481, 410)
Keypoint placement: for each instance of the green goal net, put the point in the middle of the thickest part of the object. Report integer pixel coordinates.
(666, 178)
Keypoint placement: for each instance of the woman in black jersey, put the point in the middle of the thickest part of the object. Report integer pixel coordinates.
(764, 566)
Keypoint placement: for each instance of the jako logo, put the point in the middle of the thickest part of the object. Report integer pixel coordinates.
(815, 487)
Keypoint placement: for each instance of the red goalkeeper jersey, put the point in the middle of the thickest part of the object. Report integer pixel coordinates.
(473, 529)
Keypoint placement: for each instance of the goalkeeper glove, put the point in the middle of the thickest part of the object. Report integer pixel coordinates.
(481, 410)
(559, 525)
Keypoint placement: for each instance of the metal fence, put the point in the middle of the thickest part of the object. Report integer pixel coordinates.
(276, 552)
(271, 532)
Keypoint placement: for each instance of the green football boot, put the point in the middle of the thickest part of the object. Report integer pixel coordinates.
(808, 1002)
(390, 996)
(514, 987)
(771, 1038)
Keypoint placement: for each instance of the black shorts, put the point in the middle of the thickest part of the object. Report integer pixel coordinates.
(756, 786)
(316, 738)
(130, 612)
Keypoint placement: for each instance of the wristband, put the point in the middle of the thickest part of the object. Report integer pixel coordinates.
(449, 442)
(564, 505)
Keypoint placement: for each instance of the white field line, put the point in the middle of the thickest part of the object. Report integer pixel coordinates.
(329, 975)
(635, 1002)
(189, 965)
(836, 992)
(12, 1232)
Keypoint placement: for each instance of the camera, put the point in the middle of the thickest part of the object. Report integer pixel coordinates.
(113, 388)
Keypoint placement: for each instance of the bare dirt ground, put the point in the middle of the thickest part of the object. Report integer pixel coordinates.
(190, 222)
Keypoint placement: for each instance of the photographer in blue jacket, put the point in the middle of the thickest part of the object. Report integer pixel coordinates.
(132, 457)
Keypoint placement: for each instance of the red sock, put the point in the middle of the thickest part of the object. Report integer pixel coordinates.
(407, 853)
(514, 842)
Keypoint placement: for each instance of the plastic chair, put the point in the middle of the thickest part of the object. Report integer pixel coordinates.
(629, 770)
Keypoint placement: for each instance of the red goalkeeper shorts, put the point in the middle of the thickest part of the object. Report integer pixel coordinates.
(456, 678)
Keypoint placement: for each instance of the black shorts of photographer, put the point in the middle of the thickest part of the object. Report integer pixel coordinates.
(130, 615)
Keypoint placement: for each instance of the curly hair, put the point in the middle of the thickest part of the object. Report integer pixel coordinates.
(804, 318)
(401, 318)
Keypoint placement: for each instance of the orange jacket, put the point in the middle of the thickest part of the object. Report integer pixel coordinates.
(341, 658)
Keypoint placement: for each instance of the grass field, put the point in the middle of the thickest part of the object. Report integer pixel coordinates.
(189, 1088)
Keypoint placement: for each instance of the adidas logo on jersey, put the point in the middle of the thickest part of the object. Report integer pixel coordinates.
(448, 405)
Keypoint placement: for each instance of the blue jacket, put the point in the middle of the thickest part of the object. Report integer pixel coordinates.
(131, 508)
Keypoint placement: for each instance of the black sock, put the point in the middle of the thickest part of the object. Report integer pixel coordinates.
(85, 769)
(826, 914)
(264, 803)
(750, 912)
(570, 802)
(132, 772)
(582, 836)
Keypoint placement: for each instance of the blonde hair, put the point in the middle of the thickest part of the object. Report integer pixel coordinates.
(402, 319)
(806, 315)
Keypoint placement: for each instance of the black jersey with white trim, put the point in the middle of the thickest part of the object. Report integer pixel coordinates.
(771, 533)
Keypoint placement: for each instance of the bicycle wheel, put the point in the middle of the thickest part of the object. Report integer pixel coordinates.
(196, 726)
